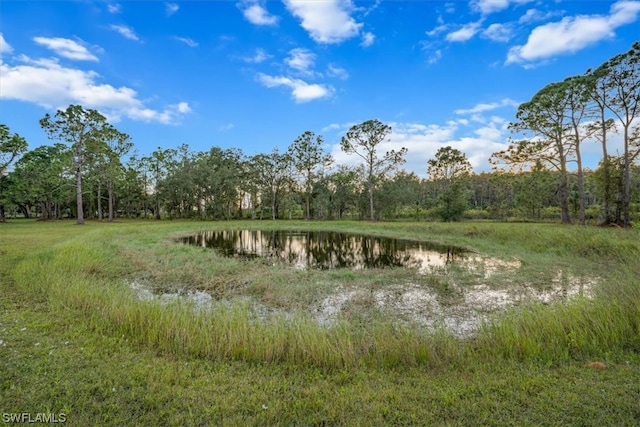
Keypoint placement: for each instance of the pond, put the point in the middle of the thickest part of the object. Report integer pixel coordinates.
(326, 250)
(445, 286)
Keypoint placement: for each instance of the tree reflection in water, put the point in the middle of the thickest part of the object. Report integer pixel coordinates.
(328, 250)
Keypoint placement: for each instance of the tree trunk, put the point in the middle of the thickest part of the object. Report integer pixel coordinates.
(371, 212)
(273, 205)
(627, 182)
(564, 196)
(80, 212)
(111, 200)
(99, 201)
(580, 178)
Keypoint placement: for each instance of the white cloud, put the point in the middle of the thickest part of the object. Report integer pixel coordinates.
(498, 32)
(46, 83)
(258, 15)
(573, 33)
(301, 91)
(465, 33)
(125, 32)
(114, 7)
(487, 7)
(189, 42)
(477, 138)
(260, 56)
(367, 39)
(183, 107)
(301, 60)
(533, 15)
(490, 6)
(326, 21)
(482, 107)
(66, 48)
(171, 8)
(334, 71)
(4, 46)
(435, 56)
(424, 140)
(437, 30)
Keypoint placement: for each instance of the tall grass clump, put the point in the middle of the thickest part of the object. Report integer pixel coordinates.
(577, 329)
(84, 274)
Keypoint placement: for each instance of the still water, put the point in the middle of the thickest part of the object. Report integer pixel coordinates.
(325, 250)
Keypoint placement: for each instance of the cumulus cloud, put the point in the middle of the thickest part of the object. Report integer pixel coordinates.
(114, 7)
(423, 141)
(259, 56)
(487, 7)
(301, 60)
(478, 138)
(498, 32)
(573, 33)
(125, 32)
(189, 42)
(301, 91)
(335, 71)
(257, 14)
(367, 39)
(66, 48)
(47, 83)
(4, 46)
(465, 33)
(171, 8)
(437, 30)
(534, 15)
(435, 56)
(327, 21)
(483, 107)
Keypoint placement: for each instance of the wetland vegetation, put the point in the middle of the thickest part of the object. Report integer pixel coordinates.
(72, 326)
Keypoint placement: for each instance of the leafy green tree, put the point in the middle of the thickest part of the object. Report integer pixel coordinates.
(273, 174)
(400, 195)
(82, 129)
(117, 145)
(157, 165)
(363, 140)
(181, 191)
(453, 202)
(343, 191)
(310, 160)
(220, 174)
(600, 129)
(448, 165)
(621, 77)
(447, 169)
(543, 120)
(578, 92)
(534, 190)
(41, 179)
(11, 146)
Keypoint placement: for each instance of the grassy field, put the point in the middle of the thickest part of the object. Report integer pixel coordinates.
(75, 340)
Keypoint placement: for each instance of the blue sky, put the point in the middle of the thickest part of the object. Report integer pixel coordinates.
(255, 75)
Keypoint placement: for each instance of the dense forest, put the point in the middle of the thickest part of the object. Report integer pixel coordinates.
(92, 171)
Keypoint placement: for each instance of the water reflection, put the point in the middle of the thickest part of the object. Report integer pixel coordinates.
(328, 250)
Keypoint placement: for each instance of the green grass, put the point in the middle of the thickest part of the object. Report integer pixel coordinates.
(77, 340)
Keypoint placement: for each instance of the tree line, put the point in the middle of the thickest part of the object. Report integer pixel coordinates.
(91, 171)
